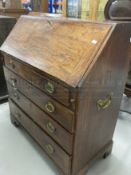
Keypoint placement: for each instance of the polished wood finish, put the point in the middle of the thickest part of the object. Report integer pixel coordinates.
(88, 62)
(6, 25)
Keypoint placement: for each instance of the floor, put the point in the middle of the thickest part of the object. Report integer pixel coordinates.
(20, 155)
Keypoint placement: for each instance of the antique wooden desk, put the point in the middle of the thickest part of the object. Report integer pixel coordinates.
(6, 24)
(65, 80)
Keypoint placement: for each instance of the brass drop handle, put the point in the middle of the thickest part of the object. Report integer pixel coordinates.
(13, 82)
(50, 127)
(50, 107)
(49, 148)
(49, 87)
(105, 103)
(16, 96)
(12, 64)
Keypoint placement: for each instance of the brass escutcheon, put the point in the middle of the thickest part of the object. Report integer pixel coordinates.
(49, 148)
(50, 107)
(50, 127)
(49, 87)
(105, 103)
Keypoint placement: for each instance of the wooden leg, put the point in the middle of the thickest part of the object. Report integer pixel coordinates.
(106, 155)
(14, 121)
(128, 91)
(107, 152)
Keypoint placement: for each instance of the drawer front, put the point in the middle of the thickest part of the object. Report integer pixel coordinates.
(50, 87)
(53, 129)
(54, 109)
(51, 148)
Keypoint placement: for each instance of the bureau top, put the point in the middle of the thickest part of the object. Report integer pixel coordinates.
(61, 48)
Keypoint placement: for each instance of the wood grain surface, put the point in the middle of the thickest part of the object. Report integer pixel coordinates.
(61, 114)
(62, 48)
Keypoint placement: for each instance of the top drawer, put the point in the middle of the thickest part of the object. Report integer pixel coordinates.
(57, 91)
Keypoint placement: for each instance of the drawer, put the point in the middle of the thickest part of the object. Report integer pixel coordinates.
(58, 133)
(62, 159)
(54, 109)
(55, 90)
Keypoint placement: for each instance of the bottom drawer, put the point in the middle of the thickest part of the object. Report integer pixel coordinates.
(62, 159)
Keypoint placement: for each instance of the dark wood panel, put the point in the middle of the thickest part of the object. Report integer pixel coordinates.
(50, 147)
(59, 134)
(50, 87)
(58, 112)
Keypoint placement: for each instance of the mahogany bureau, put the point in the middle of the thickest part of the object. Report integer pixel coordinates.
(6, 24)
(65, 81)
